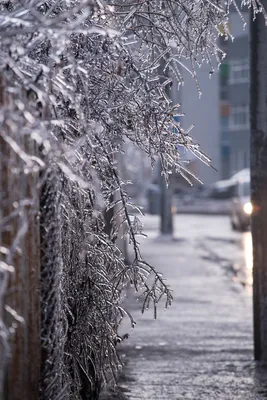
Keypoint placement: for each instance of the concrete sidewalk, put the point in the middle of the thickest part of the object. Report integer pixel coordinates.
(201, 348)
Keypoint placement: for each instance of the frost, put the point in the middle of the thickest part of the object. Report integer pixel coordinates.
(80, 82)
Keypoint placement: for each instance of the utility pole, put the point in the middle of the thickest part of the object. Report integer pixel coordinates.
(258, 111)
(166, 223)
(166, 220)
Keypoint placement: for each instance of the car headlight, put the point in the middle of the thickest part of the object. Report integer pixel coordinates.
(248, 208)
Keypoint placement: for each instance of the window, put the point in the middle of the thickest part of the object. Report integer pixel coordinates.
(239, 117)
(239, 71)
(224, 93)
(224, 123)
(224, 75)
(245, 188)
(224, 70)
(224, 29)
(224, 109)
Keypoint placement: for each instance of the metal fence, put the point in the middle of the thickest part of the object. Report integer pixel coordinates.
(20, 270)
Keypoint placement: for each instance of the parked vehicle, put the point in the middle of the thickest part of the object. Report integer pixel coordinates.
(222, 190)
(241, 207)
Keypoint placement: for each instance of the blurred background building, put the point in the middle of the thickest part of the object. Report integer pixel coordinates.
(203, 113)
(221, 115)
(234, 99)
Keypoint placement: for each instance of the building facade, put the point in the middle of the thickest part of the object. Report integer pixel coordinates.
(234, 98)
(202, 112)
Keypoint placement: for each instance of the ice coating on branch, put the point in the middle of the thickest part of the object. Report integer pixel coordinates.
(79, 81)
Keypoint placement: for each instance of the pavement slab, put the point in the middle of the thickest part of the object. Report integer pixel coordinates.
(202, 346)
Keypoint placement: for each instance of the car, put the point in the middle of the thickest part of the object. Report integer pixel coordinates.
(241, 206)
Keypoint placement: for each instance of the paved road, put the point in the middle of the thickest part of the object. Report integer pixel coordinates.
(201, 348)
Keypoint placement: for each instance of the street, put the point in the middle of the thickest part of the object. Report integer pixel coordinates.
(202, 346)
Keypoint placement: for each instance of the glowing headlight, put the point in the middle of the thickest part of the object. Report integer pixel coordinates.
(247, 208)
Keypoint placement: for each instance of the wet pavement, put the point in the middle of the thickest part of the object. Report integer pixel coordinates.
(201, 347)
